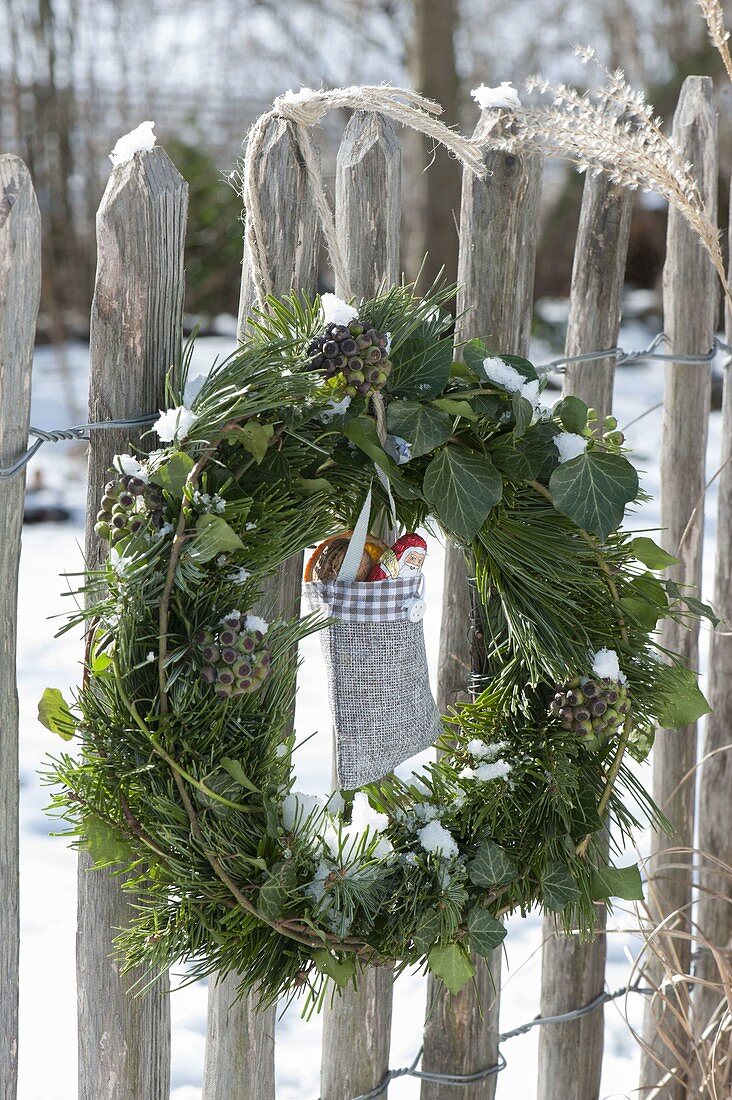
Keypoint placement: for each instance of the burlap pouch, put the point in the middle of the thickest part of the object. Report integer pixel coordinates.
(378, 683)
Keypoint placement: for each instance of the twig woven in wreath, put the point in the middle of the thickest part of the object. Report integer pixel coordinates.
(378, 682)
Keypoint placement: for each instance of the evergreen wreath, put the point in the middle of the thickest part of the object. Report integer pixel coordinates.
(183, 774)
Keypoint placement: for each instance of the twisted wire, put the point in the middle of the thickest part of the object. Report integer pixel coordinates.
(460, 1079)
(559, 365)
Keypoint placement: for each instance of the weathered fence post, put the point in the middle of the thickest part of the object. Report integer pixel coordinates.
(690, 311)
(573, 973)
(357, 1025)
(498, 227)
(240, 1039)
(124, 1040)
(715, 806)
(20, 288)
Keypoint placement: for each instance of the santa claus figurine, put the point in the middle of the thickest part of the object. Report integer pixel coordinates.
(404, 559)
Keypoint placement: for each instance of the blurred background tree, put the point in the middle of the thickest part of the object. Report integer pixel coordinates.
(75, 74)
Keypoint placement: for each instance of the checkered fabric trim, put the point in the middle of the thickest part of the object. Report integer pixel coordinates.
(363, 601)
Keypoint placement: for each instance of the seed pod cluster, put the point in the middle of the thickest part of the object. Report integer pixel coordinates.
(592, 708)
(236, 661)
(128, 505)
(357, 352)
(611, 433)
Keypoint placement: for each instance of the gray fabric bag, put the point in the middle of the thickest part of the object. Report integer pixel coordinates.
(378, 683)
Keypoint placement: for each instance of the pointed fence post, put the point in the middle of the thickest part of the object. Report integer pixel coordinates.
(124, 1040)
(498, 231)
(715, 806)
(240, 1040)
(573, 973)
(690, 296)
(357, 1024)
(20, 288)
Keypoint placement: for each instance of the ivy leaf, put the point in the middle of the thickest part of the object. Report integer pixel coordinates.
(645, 599)
(473, 354)
(254, 437)
(593, 490)
(54, 714)
(455, 406)
(236, 770)
(213, 537)
(103, 843)
(523, 414)
(484, 931)
(558, 888)
(682, 699)
(427, 931)
(617, 882)
(173, 473)
(310, 485)
(573, 414)
(702, 610)
(341, 970)
(423, 427)
(452, 965)
(271, 900)
(651, 554)
(491, 866)
(523, 366)
(362, 431)
(421, 367)
(462, 487)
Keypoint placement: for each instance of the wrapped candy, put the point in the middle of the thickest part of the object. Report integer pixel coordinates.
(404, 559)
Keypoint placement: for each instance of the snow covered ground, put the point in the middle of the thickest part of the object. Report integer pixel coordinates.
(48, 869)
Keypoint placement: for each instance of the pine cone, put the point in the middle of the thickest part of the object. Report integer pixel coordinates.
(592, 708)
(357, 352)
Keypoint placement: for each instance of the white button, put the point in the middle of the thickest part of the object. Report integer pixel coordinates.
(416, 609)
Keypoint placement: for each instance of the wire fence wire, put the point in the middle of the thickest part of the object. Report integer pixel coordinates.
(463, 1079)
(554, 366)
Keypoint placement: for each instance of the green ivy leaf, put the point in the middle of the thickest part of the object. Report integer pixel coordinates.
(423, 427)
(593, 490)
(651, 554)
(523, 366)
(340, 968)
(103, 843)
(558, 887)
(421, 368)
(617, 882)
(452, 965)
(173, 473)
(54, 714)
(645, 599)
(484, 931)
(523, 414)
(236, 770)
(427, 931)
(573, 414)
(213, 537)
(473, 354)
(491, 866)
(254, 437)
(455, 406)
(270, 902)
(682, 699)
(462, 487)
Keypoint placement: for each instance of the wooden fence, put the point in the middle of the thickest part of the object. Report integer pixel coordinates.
(124, 1043)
